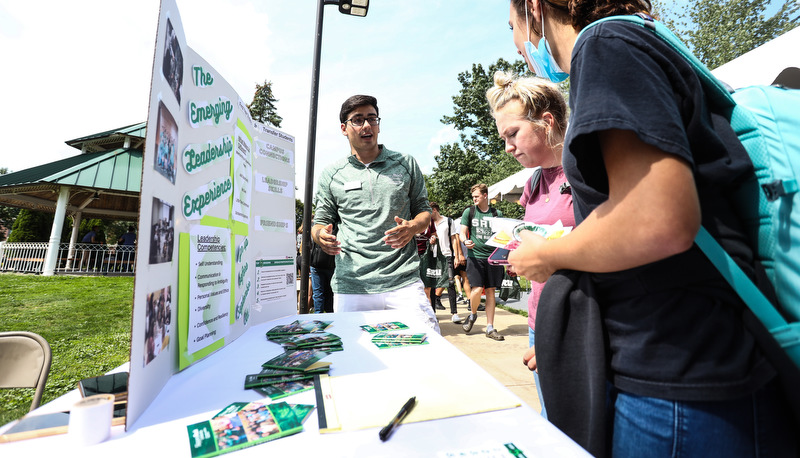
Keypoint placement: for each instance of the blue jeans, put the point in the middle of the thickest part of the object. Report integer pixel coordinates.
(754, 425)
(531, 341)
(322, 293)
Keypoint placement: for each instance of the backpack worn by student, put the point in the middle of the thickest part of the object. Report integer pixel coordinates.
(767, 121)
(472, 213)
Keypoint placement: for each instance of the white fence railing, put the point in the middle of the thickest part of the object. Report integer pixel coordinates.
(22, 256)
(83, 258)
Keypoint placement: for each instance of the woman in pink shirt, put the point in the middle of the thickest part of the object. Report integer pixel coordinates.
(531, 117)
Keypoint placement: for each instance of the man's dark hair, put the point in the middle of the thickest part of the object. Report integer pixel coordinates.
(357, 101)
(434, 206)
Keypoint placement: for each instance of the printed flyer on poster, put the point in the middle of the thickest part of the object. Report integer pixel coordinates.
(210, 260)
(275, 279)
(243, 173)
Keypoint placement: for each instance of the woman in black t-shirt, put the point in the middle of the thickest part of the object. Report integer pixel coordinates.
(648, 164)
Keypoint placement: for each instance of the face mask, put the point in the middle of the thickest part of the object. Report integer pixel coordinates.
(540, 59)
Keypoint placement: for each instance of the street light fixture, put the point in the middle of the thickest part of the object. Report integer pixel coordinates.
(352, 8)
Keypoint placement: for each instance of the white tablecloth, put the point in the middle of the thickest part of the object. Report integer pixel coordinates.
(201, 390)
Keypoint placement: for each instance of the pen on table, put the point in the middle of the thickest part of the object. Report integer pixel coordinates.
(387, 430)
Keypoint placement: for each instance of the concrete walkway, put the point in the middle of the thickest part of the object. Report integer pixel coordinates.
(503, 360)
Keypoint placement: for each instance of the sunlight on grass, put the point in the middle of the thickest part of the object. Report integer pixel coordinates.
(86, 321)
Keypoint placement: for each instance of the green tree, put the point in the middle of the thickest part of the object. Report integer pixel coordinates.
(263, 108)
(31, 226)
(718, 31)
(115, 229)
(479, 155)
(7, 214)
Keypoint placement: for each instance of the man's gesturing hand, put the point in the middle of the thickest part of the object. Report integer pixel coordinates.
(400, 235)
(328, 242)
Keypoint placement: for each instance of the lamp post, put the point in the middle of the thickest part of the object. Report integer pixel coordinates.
(349, 7)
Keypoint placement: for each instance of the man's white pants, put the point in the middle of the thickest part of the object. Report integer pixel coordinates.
(409, 298)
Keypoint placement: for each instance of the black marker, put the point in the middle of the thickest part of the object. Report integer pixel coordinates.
(387, 430)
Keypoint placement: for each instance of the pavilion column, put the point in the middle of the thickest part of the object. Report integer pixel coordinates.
(51, 258)
(76, 226)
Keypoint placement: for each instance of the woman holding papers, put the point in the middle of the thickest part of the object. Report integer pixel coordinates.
(644, 348)
(531, 117)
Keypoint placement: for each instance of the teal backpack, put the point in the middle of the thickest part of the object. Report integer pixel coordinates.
(767, 121)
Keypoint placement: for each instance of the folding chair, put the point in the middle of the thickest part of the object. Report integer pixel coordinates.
(25, 360)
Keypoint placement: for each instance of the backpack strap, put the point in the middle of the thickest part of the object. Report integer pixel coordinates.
(471, 215)
(787, 334)
(450, 235)
(535, 177)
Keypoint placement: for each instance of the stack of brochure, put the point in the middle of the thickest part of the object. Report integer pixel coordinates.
(244, 424)
(290, 372)
(396, 339)
(383, 337)
(285, 331)
(323, 341)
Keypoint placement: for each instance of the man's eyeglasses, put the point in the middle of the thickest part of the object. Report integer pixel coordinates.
(358, 121)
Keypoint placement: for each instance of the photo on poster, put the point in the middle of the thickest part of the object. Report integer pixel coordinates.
(166, 143)
(162, 234)
(172, 66)
(158, 319)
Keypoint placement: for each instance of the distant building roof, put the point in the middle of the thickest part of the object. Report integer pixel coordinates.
(106, 177)
(112, 139)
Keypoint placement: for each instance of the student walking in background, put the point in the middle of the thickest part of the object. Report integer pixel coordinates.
(644, 348)
(423, 240)
(531, 118)
(447, 235)
(483, 277)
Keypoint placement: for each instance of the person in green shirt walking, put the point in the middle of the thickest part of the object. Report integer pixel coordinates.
(475, 231)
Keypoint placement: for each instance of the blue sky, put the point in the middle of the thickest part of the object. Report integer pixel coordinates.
(77, 68)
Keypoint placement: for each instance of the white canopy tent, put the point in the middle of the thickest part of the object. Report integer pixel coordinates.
(510, 188)
(763, 64)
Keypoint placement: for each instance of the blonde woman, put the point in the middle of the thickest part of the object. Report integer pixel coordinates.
(531, 117)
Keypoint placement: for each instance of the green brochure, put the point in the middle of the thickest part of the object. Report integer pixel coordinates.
(298, 360)
(253, 424)
(381, 327)
(281, 390)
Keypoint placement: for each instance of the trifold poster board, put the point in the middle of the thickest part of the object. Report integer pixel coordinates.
(217, 234)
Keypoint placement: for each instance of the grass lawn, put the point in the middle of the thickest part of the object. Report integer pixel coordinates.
(86, 321)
